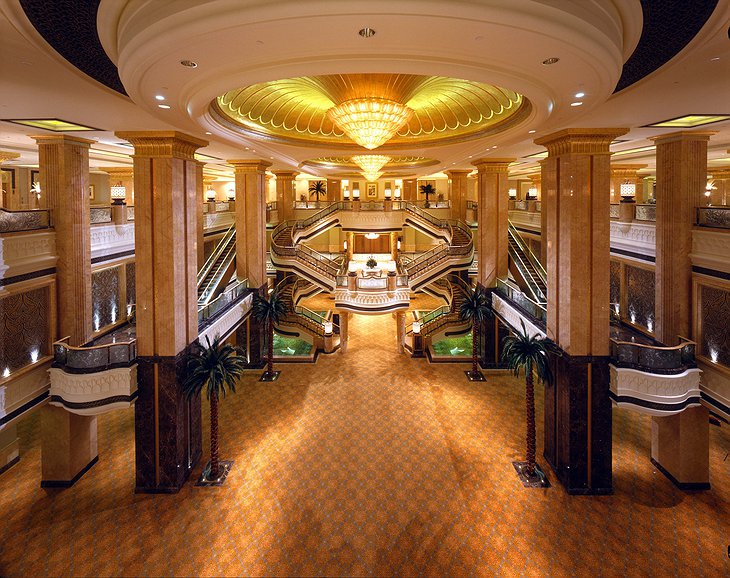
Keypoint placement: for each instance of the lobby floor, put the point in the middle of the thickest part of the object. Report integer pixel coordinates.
(367, 464)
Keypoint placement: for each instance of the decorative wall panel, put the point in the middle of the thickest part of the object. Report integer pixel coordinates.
(131, 283)
(714, 339)
(615, 281)
(24, 329)
(640, 296)
(106, 297)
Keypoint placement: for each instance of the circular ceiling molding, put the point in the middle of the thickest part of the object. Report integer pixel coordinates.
(347, 165)
(294, 110)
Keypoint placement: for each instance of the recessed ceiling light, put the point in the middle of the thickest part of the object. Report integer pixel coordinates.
(580, 94)
(159, 97)
(690, 121)
(715, 59)
(165, 106)
(54, 124)
(578, 103)
(208, 132)
(366, 32)
(494, 147)
(189, 64)
(530, 132)
(551, 60)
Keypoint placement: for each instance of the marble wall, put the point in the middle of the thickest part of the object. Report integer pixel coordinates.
(713, 336)
(25, 320)
(106, 297)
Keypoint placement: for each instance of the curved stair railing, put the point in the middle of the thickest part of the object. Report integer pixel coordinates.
(435, 320)
(292, 290)
(309, 263)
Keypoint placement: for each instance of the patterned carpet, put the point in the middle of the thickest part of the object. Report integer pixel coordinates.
(366, 464)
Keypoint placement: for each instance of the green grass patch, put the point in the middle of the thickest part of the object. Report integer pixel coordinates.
(454, 346)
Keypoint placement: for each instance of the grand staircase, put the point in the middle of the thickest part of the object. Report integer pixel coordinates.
(292, 290)
(526, 267)
(447, 316)
(218, 269)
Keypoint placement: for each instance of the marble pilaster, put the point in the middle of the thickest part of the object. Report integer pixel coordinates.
(458, 193)
(285, 194)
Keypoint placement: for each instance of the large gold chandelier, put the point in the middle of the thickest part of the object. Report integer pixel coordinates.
(371, 165)
(370, 122)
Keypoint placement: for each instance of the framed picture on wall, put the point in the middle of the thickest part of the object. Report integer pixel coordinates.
(372, 190)
(92, 192)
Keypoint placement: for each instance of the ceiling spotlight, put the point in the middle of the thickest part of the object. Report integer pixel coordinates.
(530, 132)
(189, 64)
(552, 60)
(578, 103)
(159, 97)
(366, 32)
(208, 132)
(165, 106)
(580, 94)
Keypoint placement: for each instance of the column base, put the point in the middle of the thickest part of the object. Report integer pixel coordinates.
(578, 424)
(68, 446)
(72, 481)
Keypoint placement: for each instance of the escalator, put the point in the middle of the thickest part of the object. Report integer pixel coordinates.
(218, 269)
(526, 267)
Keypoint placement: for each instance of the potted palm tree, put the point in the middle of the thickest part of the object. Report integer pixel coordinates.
(213, 369)
(427, 190)
(317, 189)
(475, 308)
(270, 311)
(531, 353)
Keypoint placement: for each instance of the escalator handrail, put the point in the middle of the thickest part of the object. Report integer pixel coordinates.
(219, 248)
(530, 255)
(215, 277)
(532, 285)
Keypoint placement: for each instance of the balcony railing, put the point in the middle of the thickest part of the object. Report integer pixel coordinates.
(531, 308)
(645, 213)
(94, 358)
(654, 358)
(101, 215)
(16, 221)
(716, 217)
(614, 211)
(238, 292)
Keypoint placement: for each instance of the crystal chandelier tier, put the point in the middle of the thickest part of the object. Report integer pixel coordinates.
(370, 122)
(371, 165)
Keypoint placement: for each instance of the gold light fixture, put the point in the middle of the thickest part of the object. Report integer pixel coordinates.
(372, 236)
(210, 194)
(371, 165)
(627, 190)
(370, 122)
(118, 193)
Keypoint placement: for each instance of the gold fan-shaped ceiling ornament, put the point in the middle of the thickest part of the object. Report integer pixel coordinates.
(369, 110)
(394, 164)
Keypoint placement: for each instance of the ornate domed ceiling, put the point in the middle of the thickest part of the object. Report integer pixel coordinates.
(347, 165)
(444, 110)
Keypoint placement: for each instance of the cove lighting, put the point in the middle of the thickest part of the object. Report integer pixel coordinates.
(165, 106)
(690, 121)
(53, 124)
(577, 103)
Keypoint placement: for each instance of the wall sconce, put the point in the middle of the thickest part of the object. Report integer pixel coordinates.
(328, 327)
(627, 192)
(416, 328)
(512, 193)
(231, 194)
(210, 194)
(118, 193)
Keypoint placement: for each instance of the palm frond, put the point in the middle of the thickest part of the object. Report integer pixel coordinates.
(476, 306)
(528, 352)
(269, 310)
(214, 368)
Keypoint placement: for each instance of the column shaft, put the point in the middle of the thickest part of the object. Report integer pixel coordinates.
(492, 239)
(458, 193)
(285, 194)
(410, 190)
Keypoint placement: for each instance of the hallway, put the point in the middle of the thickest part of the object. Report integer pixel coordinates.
(365, 463)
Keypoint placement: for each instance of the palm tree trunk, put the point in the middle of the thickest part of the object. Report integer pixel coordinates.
(530, 419)
(270, 363)
(474, 349)
(213, 435)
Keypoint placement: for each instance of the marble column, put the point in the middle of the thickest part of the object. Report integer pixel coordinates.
(285, 194)
(11, 199)
(68, 441)
(394, 245)
(199, 215)
(623, 173)
(679, 443)
(400, 324)
(251, 220)
(543, 218)
(410, 190)
(575, 197)
(458, 193)
(492, 240)
(681, 168)
(344, 326)
(334, 190)
(125, 176)
(168, 441)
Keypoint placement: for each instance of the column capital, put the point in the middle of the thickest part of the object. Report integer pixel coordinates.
(458, 172)
(720, 173)
(119, 172)
(683, 135)
(580, 140)
(7, 155)
(61, 139)
(285, 174)
(535, 178)
(250, 165)
(490, 165)
(161, 143)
